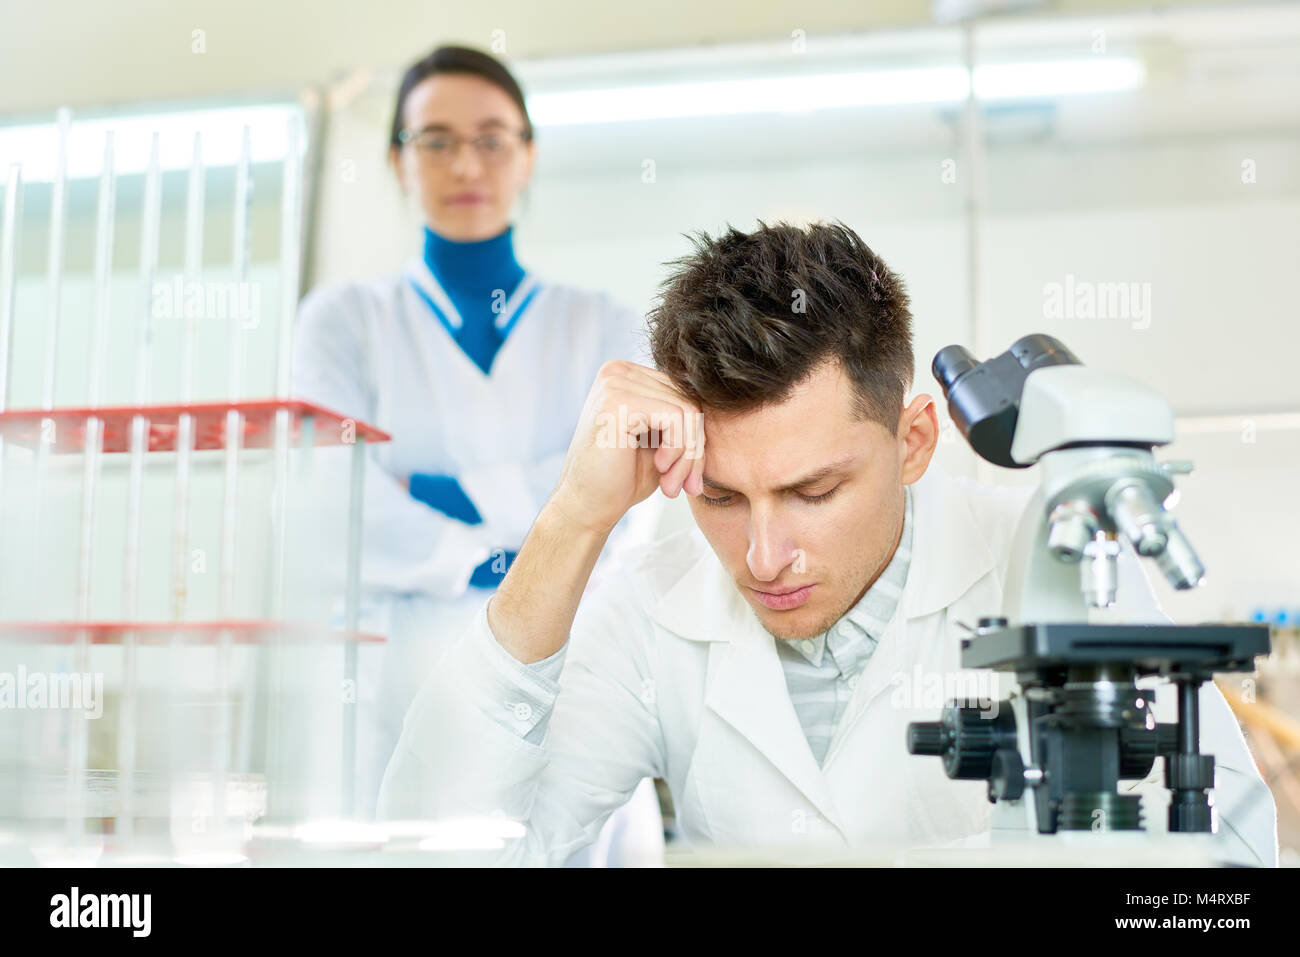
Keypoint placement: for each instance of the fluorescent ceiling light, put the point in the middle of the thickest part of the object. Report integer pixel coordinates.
(798, 94)
(1018, 81)
(36, 146)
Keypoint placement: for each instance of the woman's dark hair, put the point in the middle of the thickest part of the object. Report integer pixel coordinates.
(746, 317)
(462, 60)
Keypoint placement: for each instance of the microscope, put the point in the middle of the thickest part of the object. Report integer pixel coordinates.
(1076, 723)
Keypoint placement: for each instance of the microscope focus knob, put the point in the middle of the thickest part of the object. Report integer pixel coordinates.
(966, 737)
(927, 737)
(974, 742)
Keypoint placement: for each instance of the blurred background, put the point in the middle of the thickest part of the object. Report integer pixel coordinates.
(1147, 152)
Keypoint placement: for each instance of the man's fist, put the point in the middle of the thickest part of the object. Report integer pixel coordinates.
(636, 431)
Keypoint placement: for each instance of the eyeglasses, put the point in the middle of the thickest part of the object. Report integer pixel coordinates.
(441, 147)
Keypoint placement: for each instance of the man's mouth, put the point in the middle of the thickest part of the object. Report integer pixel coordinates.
(783, 599)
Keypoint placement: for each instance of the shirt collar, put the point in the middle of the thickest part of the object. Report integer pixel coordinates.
(812, 649)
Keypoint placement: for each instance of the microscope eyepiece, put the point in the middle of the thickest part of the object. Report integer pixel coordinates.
(984, 397)
(950, 364)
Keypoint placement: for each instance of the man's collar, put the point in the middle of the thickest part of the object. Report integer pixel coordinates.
(950, 552)
(812, 649)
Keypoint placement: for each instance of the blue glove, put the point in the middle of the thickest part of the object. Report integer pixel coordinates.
(444, 493)
(490, 573)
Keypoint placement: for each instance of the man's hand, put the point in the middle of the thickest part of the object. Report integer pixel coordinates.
(635, 432)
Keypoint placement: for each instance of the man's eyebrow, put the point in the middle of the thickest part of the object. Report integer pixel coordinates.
(809, 479)
(817, 475)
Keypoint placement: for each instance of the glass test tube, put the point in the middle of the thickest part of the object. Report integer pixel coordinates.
(139, 447)
(230, 498)
(352, 617)
(100, 317)
(185, 426)
(93, 435)
(289, 255)
(54, 275)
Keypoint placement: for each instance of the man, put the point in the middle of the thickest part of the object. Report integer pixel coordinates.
(764, 664)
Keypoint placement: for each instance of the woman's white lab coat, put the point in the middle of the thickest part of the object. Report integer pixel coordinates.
(668, 673)
(376, 352)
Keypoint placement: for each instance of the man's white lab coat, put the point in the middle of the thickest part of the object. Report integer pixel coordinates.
(669, 674)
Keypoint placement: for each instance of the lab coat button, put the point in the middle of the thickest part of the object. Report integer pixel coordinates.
(523, 711)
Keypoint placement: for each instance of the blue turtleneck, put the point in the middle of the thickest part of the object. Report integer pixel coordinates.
(476, 276)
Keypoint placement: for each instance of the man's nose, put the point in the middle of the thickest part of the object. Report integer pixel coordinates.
(770, 548)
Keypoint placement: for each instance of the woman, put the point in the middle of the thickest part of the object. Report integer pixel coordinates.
(476, 367)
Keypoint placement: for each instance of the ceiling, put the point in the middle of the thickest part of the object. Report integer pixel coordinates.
(90, 54)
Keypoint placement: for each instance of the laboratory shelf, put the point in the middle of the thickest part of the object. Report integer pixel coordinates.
(26, 427)
(240, 631)
(288, 664)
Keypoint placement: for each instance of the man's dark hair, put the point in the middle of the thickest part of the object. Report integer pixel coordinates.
(465, 61)
(747, 317)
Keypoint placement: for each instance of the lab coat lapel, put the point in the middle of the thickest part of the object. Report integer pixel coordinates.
(747, 689)
(418, 272)
(746, 685)
(431, 291)
(438, 336)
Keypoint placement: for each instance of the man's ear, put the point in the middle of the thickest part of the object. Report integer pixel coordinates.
(918, 434)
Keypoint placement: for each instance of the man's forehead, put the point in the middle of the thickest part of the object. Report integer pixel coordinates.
(815, 429)
(816, 411)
